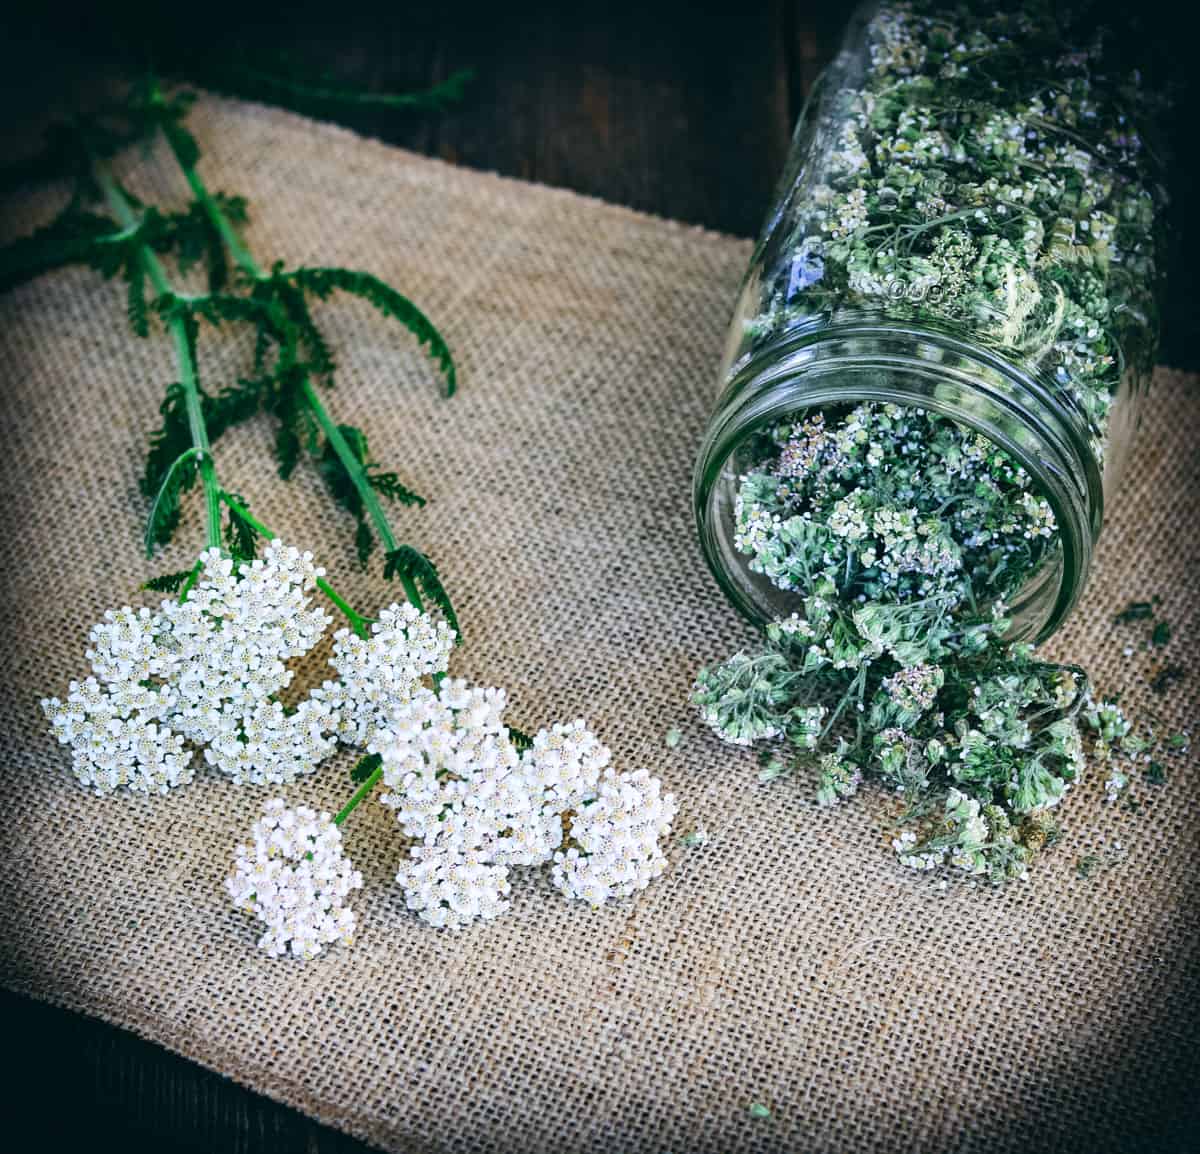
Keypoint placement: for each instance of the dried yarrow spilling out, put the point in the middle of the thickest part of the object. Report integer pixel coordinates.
(977, 738)
(975, 175)
(894, 528)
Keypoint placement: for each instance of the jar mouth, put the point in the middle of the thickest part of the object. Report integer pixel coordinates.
(862, 358)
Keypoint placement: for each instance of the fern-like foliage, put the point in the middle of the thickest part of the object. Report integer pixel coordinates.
(389, 485)
(167, 582)
(294, 430)
(276, 306)
(70, 238)
(303, 333)
(169, 471)
(241, 538)
(234, 404)
(136, 308)
(191, 237)
(407, 562)
(170, 441)
(150, 108)
(364, 767)
(164, 509)
(296, 85)
(322, 282)
(342, 487)
(215, 308)
(346, 493)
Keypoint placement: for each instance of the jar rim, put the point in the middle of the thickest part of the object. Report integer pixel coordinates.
(858, 357)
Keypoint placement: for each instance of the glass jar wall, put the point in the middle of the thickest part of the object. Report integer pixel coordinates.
(936, 357)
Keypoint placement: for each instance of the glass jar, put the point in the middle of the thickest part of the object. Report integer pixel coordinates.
(965, 226)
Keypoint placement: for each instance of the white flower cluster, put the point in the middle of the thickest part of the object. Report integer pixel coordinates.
(231, 636)
(475, 808)
(204, 670)
(376, 675)
(295, 879)
(117, 737)
(613, 843)
(207, 670)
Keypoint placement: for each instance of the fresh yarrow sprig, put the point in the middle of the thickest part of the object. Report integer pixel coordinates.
(292, 359)
(473, 797)
(205, 672)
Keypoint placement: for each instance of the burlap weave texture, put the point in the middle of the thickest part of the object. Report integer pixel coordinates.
(789, 961)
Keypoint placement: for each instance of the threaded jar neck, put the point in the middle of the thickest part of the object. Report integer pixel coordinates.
(861, 358)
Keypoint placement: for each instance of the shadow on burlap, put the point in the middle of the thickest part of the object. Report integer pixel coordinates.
(789, 961)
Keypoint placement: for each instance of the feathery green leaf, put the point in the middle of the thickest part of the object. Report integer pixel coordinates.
(164, 511)
(241, 538)
(390, 302)
(412, 563)
(287, 446)
(70, 238)
(295, 84)
(365, 766)
(168, 441)
(364, 542)
(234, 404)
(167, 582)
(390, 485)
(341, 483)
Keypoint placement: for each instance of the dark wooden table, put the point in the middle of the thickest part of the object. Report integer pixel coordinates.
(666, 107)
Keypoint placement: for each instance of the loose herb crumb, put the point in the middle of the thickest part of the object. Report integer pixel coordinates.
(1156, 773)
(1135, 611)
(758, 1110)
(1166, 677)
(698, 837)
(1161, 634)
(772, 766)
(673, 738)
(1091, 864)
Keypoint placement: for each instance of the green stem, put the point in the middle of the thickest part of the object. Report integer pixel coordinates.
(246, 262)
(191, 580)
(361, 481)
(358, 795)
(118, 202)
(357, 621)
(240, 253)
(448, 91)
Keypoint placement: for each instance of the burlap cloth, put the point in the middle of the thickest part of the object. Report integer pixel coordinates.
(789, 961)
